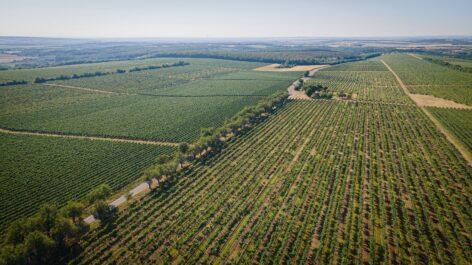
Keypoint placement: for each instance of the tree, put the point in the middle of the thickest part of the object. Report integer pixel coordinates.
(47, 217)
(183, 148)
(161, 159)
(38, 248)
(104, 212)
(10, 254)
(73, 210)
(38, 80)
(101, 192)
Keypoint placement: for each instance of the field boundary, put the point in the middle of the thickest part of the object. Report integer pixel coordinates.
(449, 136)
(84, 137)
(149, 94)
(415, 56)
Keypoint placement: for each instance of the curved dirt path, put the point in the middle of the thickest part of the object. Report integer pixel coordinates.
(449, 136)
(94, 138)
(295, 94)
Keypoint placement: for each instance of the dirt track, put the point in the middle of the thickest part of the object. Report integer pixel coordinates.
(415, 56)
(295, 94)
(449, 136)
(95, 138)
(88, 89)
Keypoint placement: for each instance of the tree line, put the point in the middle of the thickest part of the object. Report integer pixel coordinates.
(449, 65)
(212, 140)
(52, 235)
(39, 80)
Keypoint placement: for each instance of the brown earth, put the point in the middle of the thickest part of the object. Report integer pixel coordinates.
(432, 101)
(7, 58)
(298, 68)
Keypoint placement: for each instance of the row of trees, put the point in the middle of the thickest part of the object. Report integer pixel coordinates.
(211, 142)
(52, 235)
(153, 67)
(449, 65)
(14, 83)
(39, 80)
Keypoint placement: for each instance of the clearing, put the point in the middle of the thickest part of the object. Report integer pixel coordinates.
(432, 101)
(297, 68)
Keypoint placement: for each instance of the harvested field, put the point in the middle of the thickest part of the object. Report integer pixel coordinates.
(8, 58)
(298, 68)
(432, 101)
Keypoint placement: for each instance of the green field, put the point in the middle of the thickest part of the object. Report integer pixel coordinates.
(152, 81)
(332, 182)
(123, 116)
(202, 94)
(196, 67)
(422, 77)
(369, 80)
(35, 170)
(458, 121)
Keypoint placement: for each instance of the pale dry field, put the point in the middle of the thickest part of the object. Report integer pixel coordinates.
(432, 101)
(298, 68)
(7, 58)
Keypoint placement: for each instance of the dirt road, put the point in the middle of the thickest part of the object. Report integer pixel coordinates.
(295, 94)
(95, 138)
(449, 136)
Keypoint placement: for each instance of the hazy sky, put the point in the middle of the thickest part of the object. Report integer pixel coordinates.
(234, 18)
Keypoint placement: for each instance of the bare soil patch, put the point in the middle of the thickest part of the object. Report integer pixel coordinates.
(8, 58)
(432, 101)
(298, 68)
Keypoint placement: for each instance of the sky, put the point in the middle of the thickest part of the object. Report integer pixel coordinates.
(234, 18)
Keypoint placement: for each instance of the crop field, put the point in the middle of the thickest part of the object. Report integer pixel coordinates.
(201, 94)
(49, 72)
(139, 117)
(152, 81)
(422, 77)
(458, 121)
(36, 169)
(319, 182)
(370, 80)
(197, 68)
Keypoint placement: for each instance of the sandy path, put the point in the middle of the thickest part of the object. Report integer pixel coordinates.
(88, 89)
(294, 94)
(95, 138)
(449, 136)
(415, 56)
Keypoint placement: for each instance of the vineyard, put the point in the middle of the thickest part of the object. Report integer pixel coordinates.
(319, 182)
(202, 94)
(35, 170)
(458, 121)
(368, 80)
(422, 77)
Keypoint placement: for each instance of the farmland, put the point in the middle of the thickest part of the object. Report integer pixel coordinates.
(35, 170)
(369, 80)
(458, 121)
(363, 179)
(422, 77)
(333, 182)
(201, 94)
